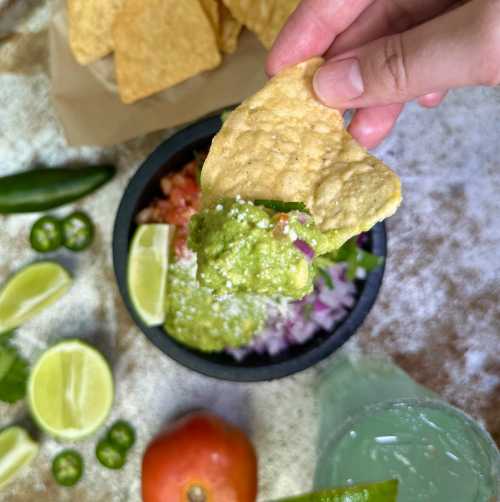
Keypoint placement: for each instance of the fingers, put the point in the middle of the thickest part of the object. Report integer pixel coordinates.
(386, 17)
(457, 49)
(432, 100)
(371, 125)
(311, 29)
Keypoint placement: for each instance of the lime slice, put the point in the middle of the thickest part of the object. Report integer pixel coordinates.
(17, 449)
(29, 291)
(70, 390)
(147, 272)
(386, 491)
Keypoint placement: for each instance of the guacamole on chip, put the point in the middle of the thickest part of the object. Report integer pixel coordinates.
(283, 145)
(243, 246)
(239, 248)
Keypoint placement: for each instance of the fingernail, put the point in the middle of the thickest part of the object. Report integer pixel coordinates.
(338, 82)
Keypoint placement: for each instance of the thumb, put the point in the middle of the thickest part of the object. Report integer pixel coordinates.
(457, 49)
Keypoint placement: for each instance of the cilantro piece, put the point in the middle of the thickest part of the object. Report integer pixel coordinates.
(307, 311)
(327, 278)
(224, 115)
(324, 261)
(199, 157)
(280, 206)
(356, 257)
(6, 336)
(13, 371)
(350, 254)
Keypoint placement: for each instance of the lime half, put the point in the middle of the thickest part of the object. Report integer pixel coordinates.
(147, 272)
(70, 390)
(29, 291)
(386, 491)
(17, 449)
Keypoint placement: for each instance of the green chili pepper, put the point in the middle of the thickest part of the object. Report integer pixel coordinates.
(46, 234)
(78, 231)
(42, 189)
(121, 435)
(280, 206)
(67, 467)
(109, 455)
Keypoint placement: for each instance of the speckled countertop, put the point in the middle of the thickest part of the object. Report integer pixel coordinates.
(438, 313)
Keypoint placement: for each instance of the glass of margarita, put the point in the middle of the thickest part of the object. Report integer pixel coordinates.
(378, 424)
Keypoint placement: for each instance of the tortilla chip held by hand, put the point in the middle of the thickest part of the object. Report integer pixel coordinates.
(283, 144)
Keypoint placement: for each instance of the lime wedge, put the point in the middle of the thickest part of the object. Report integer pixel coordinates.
(17, 449)
(70, 390)
(147, 272)
(29, 291)
(386, 491)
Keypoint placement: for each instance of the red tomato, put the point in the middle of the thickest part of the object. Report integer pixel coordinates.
(183, 201)
(174, 215)
(200, 458)
(177, 197)
(281, 220)
(191, 188)
(190, 168)
(180, 241)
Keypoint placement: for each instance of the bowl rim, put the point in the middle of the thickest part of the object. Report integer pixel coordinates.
(201, 130)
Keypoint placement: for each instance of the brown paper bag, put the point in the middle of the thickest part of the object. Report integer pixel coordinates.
(91, 112)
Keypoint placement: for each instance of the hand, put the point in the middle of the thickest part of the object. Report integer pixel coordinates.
(383, 53)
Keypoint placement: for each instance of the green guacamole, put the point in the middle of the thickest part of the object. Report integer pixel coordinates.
(242, 247)
(238, 249)
(197, 318)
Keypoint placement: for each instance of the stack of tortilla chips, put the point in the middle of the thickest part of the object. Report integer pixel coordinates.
(160, 43)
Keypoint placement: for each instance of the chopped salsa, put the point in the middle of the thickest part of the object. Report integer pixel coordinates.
(181, 200)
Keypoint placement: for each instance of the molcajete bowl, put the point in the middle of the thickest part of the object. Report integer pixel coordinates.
(144, 186)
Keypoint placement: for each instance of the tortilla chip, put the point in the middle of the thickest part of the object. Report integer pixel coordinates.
(283, 144)
(264, 17)
(160, 43)
(230, 29)
(90, 28)
(211, 8)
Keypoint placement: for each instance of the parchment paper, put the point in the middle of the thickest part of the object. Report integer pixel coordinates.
(91, 112)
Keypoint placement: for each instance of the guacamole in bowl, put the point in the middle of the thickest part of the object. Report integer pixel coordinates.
(210, 326)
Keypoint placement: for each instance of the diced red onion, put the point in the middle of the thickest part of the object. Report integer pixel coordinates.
(320, 306)
(304, 247)
(323, 319)
(322, 309)
(301, 331)
(303, 218)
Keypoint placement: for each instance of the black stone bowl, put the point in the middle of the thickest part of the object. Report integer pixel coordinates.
(171, 155)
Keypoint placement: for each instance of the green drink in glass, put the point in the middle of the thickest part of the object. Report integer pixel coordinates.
(378, 424)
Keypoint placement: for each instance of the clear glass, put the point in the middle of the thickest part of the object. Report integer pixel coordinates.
(378, 424)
